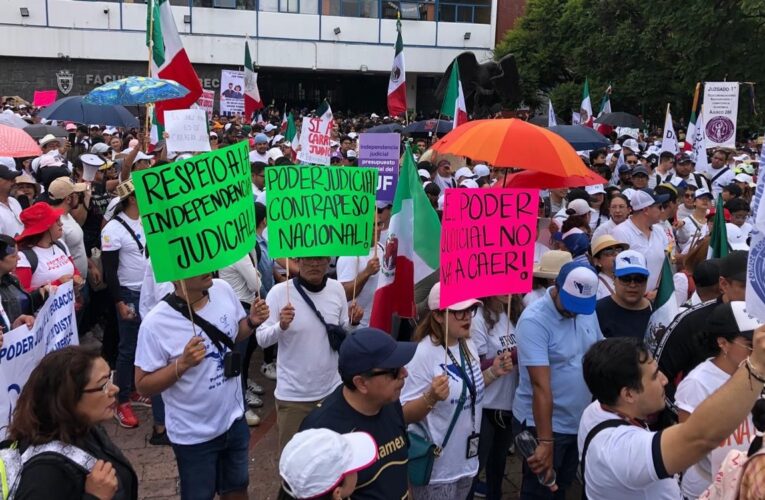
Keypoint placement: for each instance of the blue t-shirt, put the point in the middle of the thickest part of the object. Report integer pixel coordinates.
(546, 338)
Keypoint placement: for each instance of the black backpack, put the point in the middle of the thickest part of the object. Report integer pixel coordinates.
(32, 256)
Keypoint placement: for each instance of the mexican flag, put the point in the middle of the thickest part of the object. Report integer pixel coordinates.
(169, 59)
(454, 99)
(252, 100)
(718, 243)
(397, 81)
(664, 307)
(585, 109)
(605, 107)
(411, 248)
(291, 133)
(690, 133)
(669, 139)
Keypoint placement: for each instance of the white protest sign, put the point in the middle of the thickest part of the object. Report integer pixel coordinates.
(55, 328)
(314, 141)
(721, 113)
(187, 130)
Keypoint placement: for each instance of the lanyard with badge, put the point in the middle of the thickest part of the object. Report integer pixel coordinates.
(473, 438)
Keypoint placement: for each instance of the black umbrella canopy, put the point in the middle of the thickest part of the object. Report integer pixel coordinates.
(544, 120)
(73, 109)
(38, 131)
(428, 127)
(580, 137)
(620, 119)
(386, 129)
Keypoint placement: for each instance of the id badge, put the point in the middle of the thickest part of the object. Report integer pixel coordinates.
(472, 445)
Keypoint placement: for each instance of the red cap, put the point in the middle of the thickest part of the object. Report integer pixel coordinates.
(726, 214)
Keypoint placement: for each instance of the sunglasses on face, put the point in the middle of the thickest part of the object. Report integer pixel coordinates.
(609, 252)
(638, 279)
(392, 372)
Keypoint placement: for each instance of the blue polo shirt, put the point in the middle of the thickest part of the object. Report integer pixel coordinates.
(546, 338)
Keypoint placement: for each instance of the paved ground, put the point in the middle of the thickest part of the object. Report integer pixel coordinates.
(158, 475)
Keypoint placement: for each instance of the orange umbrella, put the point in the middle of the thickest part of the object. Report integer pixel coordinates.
(513, 143)
(16, 143)
(530, 179)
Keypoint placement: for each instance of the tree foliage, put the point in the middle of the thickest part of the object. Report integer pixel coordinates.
(652, 51)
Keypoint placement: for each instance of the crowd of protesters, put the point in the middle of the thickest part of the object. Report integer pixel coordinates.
(567, 363)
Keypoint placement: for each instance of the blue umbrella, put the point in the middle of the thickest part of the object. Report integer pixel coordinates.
(73, 109)
(581, 138)
(136, 90)
(385, 129)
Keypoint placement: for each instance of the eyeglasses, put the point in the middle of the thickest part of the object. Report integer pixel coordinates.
(465, 313)
(104, 388)
(609, 252)
(688, 195)
(638, 279)
(392, 372)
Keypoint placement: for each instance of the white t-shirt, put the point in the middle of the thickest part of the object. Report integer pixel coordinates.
(52, 264)
(652, 247)
(114, 237)
(203, 403)
(620, 461)
(348, 268)
(306, 369)
(533, 296)
(428, 361)
(605, 228)
(10, 222)
(74, 238)
(490, 344)
(539, 250)
(700, 383)
(243, 277)
(151, 291)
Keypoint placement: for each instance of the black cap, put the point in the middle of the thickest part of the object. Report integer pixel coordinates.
(640, 170)
(733, 265)
(732, 318)
(684, 158)
(8, 174)
(707, 273)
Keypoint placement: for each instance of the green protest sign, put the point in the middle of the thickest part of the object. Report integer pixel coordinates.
(198, 214)
(317, 211)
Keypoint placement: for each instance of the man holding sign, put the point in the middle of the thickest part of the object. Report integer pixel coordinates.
(196, 370)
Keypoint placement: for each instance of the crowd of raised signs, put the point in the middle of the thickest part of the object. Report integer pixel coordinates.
(561, 375)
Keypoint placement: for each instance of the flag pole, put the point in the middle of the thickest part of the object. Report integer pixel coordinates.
(375, 233)
(149, 105)
(446, 337)
(696, 97)
(188, 304)
(287, 262)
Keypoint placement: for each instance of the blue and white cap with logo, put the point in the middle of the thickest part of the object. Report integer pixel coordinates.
(630, 262)
(577, 285)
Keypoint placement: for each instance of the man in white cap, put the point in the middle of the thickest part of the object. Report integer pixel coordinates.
(443, 178)
(49, 143)
(260, 152)
(553, 334)
(320, 463)
(10, 209)
(642, 232)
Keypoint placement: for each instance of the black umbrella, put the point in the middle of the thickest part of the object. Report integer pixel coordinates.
(386, 129)
(428, 127)
(620, 119)
(39, 131)
(580, 137)
(73, 109)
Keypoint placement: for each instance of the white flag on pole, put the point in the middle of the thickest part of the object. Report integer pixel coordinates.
(551, 121)
(669, 139)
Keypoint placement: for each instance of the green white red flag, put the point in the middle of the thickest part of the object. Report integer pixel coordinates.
(585, 109)
(454, 99)
(169, 59)
(411, 249)
(252, 100)
(397, 81)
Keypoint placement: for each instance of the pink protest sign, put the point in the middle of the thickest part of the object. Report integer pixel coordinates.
(44, 98)
(487, 243)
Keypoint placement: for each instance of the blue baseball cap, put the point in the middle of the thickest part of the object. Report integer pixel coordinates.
(368, 348)
(261, 138)
(630, 262)
(577, 285)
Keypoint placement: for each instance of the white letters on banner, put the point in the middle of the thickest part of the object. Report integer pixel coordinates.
(314, 141)
(187, 130)
(721, 112)
(55, 328)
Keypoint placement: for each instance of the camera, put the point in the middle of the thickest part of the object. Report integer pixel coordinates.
(232, 364)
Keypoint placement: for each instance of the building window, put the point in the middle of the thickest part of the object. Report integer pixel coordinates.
(465, 11)
(350, 8)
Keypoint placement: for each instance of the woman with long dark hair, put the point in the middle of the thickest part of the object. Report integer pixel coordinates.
(68, 395)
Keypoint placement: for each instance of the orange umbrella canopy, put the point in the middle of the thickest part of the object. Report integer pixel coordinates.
(514, 143)
(17, 143)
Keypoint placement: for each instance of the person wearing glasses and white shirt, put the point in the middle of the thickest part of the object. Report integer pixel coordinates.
(445, 390)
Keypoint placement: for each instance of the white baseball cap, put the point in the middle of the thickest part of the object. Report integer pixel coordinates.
(99, 148)
(481, 170)
(579, 207)
(631, 144)
(274, 153)
(577, 284)
(142, 156)
(463, 172)
(644, 198)
(736, 237)
(630, 262)
(596, 189)
(434, 300)
(316, 461)
(732, 317)
(351, 153)
(270, 127)
(703, 192)
(469, 183)
(423, 173)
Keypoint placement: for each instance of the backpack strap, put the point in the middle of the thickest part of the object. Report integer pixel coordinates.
(32, 258)
(606, 424)
(718, 174)
(213, 333)
(131, 232)
(77, 456)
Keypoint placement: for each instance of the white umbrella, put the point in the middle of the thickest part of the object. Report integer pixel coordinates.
(11, 119)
